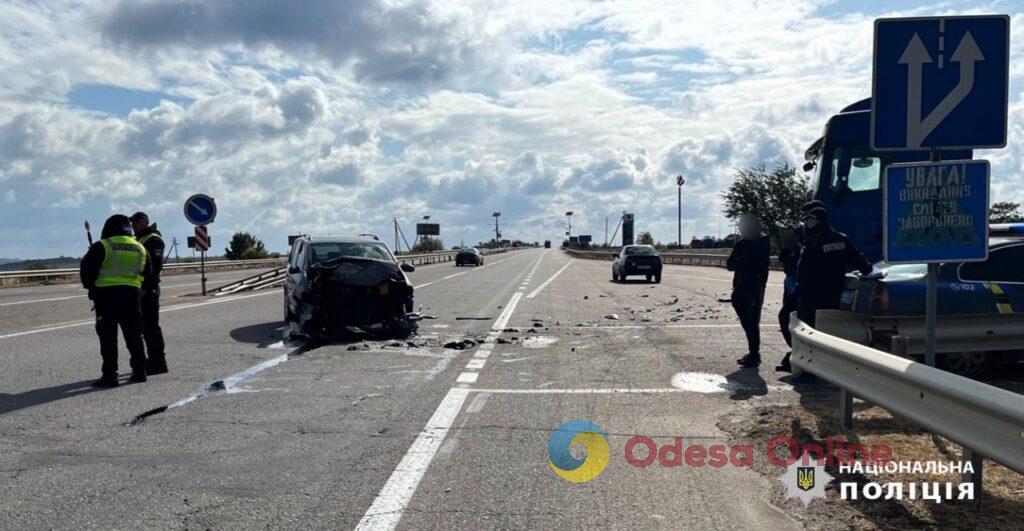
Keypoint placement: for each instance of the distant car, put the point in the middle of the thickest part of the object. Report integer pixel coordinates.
(547, 244)
(637, 260)
(993, 286)
(332, 283)
(469, 256)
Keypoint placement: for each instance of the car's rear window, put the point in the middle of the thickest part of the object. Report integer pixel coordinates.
(639, 250)
(467, 251)
(326, 251)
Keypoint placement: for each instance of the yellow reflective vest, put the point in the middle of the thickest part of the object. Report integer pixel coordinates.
(123, 263)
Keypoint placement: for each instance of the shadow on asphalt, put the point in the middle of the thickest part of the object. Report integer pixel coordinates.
(745, 384)
(36, 397)
(258, 333)
(632, 281)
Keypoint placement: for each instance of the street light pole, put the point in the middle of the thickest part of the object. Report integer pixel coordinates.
(497, 232)
(680, 181)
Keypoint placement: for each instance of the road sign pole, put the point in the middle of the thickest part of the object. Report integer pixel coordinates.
(679, 219)
(202, 270)
(931, 299)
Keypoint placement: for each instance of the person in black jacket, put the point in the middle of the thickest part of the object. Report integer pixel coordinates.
(789, 257)
(749, 261)
(113, 271)
(821, 273)
(153, 241)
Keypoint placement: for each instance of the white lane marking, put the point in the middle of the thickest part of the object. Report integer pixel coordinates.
(425, 284)
(389, 505)
(42, 300)
(467, 377)
(422, 285)
(72, 324)
(577, 391)
(629, 327)
(506, 314)
(476, 363)
(548, 281)
(482, 354)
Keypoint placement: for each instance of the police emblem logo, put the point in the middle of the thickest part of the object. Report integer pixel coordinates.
(805, 478)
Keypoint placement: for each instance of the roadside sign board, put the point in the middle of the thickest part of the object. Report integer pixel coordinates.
(940, 83)
(200, 209)
(202, 238)
(936, 212)
(428, 229)
(584, 238)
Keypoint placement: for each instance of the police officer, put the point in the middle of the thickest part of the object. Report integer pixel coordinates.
(749, 261)
(113, 270)
(789, 257)
(153, 241)
(821, 272)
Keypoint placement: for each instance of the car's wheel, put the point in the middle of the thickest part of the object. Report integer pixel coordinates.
(970, 364)
(648, 278)
(657, 279)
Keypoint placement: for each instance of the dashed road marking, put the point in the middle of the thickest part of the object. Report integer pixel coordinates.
(548, 281)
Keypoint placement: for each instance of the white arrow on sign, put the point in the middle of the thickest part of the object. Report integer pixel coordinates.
(915, 57)
(201, 210)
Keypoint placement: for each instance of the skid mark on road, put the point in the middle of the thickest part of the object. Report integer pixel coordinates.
(229, 384)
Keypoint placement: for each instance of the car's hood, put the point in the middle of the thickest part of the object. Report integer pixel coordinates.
(356, 272)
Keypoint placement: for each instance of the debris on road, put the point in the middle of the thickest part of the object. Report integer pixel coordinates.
(460, 345)
(612, 316)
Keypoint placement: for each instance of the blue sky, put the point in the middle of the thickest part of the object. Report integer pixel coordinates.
(341, 115)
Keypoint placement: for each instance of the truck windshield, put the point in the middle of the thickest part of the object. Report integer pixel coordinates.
(326, 251)
(865, 169)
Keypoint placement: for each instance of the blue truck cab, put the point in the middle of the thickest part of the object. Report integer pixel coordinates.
(848, 175)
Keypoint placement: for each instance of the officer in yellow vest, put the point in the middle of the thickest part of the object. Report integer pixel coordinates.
(153, 241)
(113, 271)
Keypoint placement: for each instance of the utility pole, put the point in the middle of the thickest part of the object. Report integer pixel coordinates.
(680, 181)
(606, 231)
(497, 231)
(397, 248)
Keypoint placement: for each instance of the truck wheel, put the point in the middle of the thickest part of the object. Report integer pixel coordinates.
(970, 364)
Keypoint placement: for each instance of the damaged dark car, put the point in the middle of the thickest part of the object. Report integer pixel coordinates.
(336, 284)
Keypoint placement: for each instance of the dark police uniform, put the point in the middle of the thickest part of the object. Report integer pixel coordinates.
(113, 270)
(790, 259)
(749, 261)
(153, 241)
(821, 273)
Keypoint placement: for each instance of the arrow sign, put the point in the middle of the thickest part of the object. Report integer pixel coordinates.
(920, 102)
(200, 209)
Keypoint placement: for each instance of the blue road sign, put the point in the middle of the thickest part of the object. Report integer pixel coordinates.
(936, 212)
(200, 209)
(940, 83)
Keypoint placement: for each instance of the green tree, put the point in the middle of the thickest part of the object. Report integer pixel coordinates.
(1005, 212)
(645, 238)
(428, 245)
(245, 246)
(775, 196)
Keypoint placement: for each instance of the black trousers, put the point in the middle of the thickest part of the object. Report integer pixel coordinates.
(748, 309)
(151, 331)
(808, 305)
(119, 306)
(789, 305)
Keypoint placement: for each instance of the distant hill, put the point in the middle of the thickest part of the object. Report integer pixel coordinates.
(61, 262)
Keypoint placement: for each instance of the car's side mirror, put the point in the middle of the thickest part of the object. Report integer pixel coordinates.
(293, 270)
(407, 267)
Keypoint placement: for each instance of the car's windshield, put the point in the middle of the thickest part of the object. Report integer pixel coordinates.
(640, 249)
(325, 251)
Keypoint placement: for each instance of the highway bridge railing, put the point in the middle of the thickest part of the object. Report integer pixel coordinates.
(676, 257)
(54, 276)
(988, 422)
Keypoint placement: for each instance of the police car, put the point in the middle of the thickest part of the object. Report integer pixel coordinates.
(993, 286)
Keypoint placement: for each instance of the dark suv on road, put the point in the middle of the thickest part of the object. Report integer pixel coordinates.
(637, 260)
(332, 283)
(469, 255)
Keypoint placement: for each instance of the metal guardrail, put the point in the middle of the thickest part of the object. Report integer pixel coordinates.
(45, 276)
(679, 258)
(987, 421)
(275, 277)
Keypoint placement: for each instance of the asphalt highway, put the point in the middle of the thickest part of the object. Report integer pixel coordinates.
(390, 434)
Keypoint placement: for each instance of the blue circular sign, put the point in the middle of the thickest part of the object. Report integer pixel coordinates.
(200, 209)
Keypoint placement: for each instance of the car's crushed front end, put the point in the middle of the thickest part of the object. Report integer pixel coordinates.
(372, 295)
